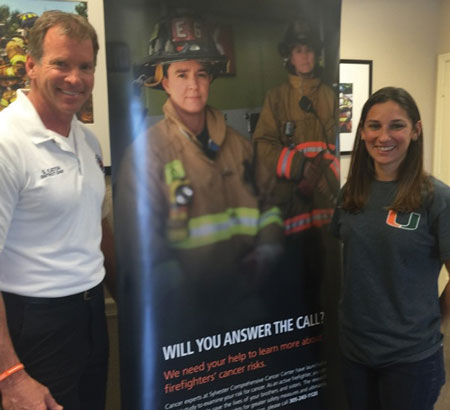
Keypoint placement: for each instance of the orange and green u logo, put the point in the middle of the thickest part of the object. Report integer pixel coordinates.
(411, 225)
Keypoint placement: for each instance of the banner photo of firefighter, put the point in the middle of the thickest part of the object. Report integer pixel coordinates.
(16, 20)
(225, 177)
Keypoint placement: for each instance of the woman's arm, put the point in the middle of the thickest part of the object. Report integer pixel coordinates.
(445, 297)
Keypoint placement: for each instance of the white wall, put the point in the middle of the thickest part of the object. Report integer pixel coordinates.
(402, 39)
(444, 27)
(444, 47)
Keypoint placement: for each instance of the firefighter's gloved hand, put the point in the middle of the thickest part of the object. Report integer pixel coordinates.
(263, 258)
(312, 173)
(329, 187)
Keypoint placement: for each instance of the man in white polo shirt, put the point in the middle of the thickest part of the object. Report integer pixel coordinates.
(53, 340)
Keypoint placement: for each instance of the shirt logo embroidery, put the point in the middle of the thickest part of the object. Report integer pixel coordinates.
(411, 221)
(51, 172)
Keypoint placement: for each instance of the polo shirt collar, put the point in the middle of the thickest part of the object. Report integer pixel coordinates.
(32, 123)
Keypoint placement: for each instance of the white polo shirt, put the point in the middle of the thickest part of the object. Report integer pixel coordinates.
(51, 195)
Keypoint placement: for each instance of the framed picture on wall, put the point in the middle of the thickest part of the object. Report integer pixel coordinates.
(16, 19)
(223, 37)
(355, 86)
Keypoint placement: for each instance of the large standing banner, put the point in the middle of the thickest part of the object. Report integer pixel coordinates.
(227, 272)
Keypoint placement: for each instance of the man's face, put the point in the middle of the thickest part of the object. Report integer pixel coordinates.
(187, 84)
(64, 77)
(303, 59)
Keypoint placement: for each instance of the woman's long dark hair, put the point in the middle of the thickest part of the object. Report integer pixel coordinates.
(413, 182)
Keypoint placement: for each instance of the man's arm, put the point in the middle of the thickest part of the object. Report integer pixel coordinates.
(445, 297)
(107, 246)
(19, 390)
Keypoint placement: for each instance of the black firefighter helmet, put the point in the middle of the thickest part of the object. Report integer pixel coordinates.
(298, 32)
(179, 38)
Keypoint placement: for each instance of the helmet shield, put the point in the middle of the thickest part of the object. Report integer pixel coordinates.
(178, 39)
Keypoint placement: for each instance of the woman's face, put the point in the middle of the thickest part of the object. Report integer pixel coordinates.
(387, 133)
(303, 59)
(187, 84)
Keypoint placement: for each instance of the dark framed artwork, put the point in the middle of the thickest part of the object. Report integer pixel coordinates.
(355, 86)
(223, 37)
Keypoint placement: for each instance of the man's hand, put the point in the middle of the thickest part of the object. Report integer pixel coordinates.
(21, 392)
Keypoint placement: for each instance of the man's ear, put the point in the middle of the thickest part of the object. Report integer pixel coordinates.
(30, 66)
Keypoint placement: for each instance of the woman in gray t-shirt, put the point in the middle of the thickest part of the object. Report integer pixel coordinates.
(394, 222)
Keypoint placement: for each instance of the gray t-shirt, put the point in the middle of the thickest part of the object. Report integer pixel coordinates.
(389, 309)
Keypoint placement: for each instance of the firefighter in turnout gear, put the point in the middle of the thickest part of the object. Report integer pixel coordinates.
(210, 235)
(12, 68)
(295, 149)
